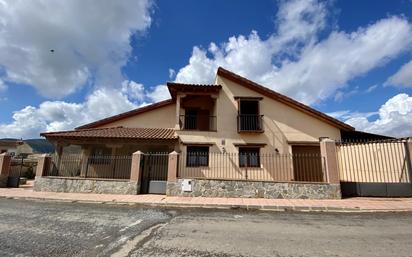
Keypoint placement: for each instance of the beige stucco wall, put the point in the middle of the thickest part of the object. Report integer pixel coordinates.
(163, 117)
(282, 124)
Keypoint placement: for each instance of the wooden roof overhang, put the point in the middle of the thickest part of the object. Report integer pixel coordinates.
(175, 88)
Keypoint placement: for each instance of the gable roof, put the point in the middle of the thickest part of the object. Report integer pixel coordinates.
(282, 98)
(127, 114)
(116, 132)
(215, 88)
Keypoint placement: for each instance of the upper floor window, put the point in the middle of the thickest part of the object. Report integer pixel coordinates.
(249, 118)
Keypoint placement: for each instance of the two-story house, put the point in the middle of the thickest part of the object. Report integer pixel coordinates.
(233, 129)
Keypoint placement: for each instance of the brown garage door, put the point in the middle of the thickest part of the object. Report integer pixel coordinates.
(307, 163)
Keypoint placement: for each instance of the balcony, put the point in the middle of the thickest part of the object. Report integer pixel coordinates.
(250, 123)
(197, 122)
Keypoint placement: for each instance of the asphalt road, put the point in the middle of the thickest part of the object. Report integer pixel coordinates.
(39, 228)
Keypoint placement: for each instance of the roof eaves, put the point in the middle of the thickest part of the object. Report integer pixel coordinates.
(116, 133)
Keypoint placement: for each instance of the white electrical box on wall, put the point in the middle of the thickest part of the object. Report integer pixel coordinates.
(187, 185)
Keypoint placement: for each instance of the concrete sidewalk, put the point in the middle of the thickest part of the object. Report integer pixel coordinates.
(344, 205)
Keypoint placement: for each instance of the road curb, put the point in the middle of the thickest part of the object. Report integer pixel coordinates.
(274, 208)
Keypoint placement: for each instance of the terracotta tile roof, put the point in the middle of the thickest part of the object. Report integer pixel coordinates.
(116, 133)
(282, 98)
(126, 114)
(199, 88)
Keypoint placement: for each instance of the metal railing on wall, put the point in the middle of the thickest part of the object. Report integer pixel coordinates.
(250, 123)
(263, 167)
(374, 161)
(95, 166)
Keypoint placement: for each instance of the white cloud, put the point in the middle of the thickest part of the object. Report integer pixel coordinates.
(172, 73)
(30, 121)
(372, 88)
(299, 21)
(2, 86)
(347, 114)
(58, 46)
(394, 118)
(339, 114)
(134, 90)
(341, 95)
(403, 77)
(294, 61)
(58, 115)
(159, 93)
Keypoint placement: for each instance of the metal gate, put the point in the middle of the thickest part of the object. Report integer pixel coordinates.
(375, 168)
(154, 175)
(21, 167)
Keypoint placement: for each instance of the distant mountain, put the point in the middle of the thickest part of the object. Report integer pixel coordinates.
(40, 145)
(10, 139)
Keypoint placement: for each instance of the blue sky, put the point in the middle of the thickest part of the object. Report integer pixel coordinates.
(121, 56)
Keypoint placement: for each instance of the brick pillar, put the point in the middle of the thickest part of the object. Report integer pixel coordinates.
(5, 160)
(172, 167)
(135, 171)
(43, 165)
(328, 152)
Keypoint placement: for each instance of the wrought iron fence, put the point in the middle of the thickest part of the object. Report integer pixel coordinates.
(250, 122)
(261, 167)
(198, 122)
(378, 161)
(96, 166)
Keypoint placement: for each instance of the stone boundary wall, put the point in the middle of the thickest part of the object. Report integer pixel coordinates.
(251, 189)
(73, 185)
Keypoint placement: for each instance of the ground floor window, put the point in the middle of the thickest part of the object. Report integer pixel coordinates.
(197, 156)
(249, 157)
